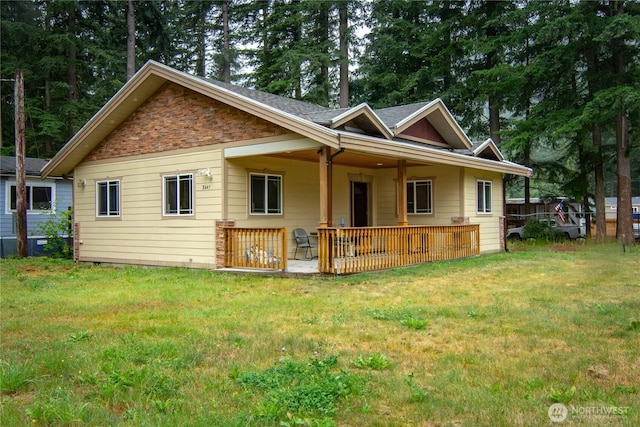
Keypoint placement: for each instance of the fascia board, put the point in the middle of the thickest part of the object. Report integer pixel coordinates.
(366, 110)
(400, 150)
(58, 164)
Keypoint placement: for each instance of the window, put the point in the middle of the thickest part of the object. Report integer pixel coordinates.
(107, 198)
(178, 194)
(419, 197)
(266, 194)
(484, 196)
(39, 198)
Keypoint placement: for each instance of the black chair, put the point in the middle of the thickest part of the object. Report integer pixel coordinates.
(302, 241)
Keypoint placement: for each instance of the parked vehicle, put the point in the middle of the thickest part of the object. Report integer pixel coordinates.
(570, 231)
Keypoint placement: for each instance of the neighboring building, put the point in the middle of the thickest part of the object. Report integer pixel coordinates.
(611, 215)
(44, 197)
(611, 207)
(174, 166)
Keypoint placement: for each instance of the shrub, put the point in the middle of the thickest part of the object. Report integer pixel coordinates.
(54, 229)
(542, 230)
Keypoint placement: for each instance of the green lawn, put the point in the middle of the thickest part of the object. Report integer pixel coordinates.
(489, 341)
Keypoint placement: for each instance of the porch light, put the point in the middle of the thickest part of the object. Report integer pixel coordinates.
(204, 172)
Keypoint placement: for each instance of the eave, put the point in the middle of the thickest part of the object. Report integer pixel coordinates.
(424, 154)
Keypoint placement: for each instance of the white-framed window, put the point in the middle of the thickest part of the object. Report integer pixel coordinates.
(420, 197)
(108, 198)
(484, 196)
(40, 197)
(177, 194)
(265, 192)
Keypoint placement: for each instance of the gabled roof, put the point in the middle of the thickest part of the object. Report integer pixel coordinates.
(487, 150)
(424, 132)
(359, 117)
(32, 165)
(404, 119)
(149, 79)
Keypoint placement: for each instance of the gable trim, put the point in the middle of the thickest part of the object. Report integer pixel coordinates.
(362, 110)
(490, 145)
(446, 124)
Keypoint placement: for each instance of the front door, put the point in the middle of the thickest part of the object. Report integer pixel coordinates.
(359, 204)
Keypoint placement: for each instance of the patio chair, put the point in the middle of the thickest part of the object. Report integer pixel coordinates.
(302, 242)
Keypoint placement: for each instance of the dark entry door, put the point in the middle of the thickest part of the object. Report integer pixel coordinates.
(359, 204)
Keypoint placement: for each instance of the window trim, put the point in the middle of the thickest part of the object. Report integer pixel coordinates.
(179, 214)
(414, 183)
(119, 188)
(487, 209)
(266, 212)
(30, 184)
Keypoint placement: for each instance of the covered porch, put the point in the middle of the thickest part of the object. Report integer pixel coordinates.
(347, 250)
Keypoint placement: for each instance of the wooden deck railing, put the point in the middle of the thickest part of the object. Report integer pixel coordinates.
(351, 250)
(256, 248)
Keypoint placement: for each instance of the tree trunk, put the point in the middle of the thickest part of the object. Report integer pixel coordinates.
(344, 53)
(131, 40)
(598, 166)
(21, 186)
(72, 75)
(226, 67)
(624, 231)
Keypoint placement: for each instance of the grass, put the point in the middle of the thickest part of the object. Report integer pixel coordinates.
(492, 340)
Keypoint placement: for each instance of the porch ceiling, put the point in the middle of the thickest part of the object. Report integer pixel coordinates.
(346, 158)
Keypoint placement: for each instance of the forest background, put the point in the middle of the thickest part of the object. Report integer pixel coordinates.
(556, 84)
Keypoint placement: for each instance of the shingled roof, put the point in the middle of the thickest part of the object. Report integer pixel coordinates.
(292, 106)
(32, 165)
(423, 132)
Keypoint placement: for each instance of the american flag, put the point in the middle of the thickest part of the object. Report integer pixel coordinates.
(559, 209)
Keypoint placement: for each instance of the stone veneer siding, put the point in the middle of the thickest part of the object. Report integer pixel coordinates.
(176, 117)
(221, 224)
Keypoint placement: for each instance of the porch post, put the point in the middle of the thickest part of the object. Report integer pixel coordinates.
(402, 193)
(324, 166)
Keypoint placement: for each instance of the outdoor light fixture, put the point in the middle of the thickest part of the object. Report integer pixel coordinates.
(82, 183)
(204, 172)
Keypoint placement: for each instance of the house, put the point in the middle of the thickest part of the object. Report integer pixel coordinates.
(611, 215)
(184, 171)
(611, 207)
(44, 198)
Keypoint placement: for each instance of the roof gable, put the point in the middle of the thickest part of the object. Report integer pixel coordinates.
(488, 150)
(422, 131)
(429, 123)
(149, 79)
(361, 117)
